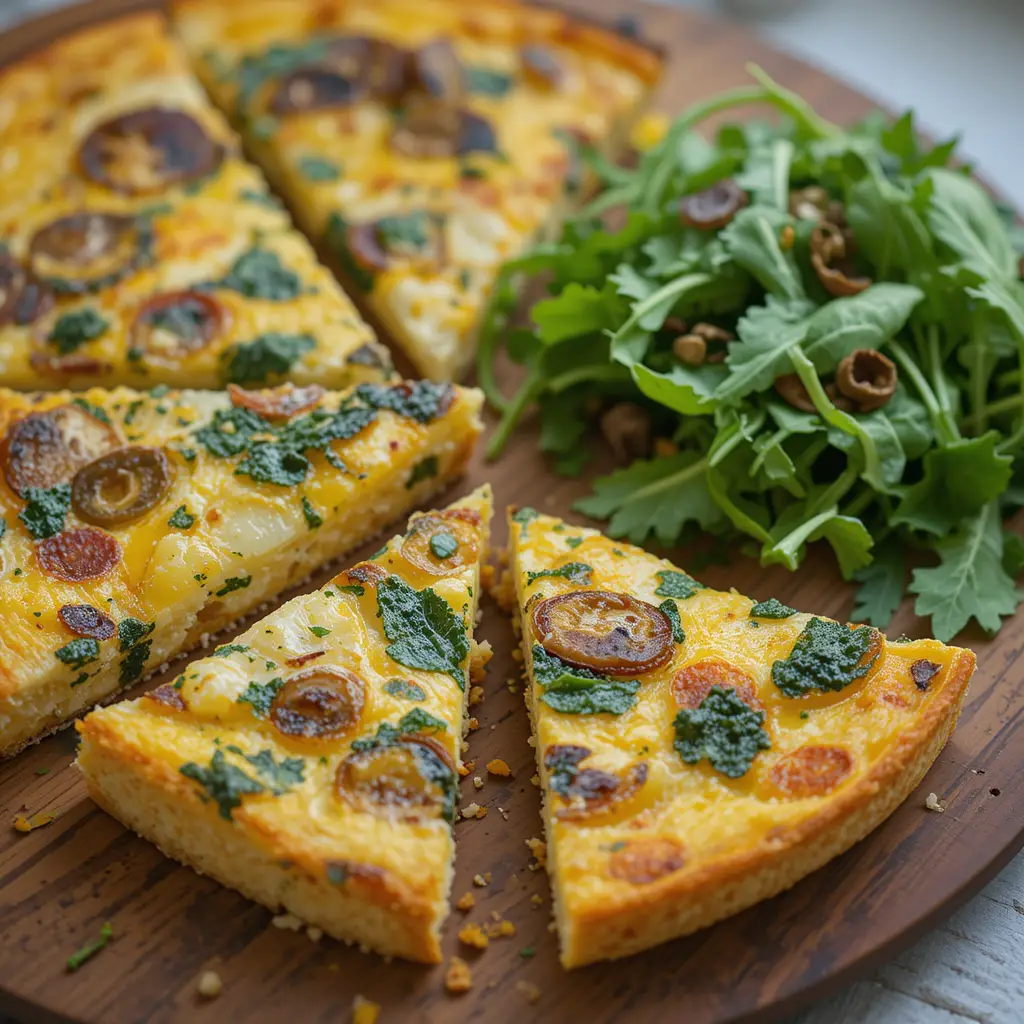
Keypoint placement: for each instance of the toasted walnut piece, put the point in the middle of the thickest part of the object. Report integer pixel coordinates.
(838, 399)
(923, 671)
(627, 429)
(458, 977)
(528, 991)
(790, 389)
(809, 203)
(691, 349)
(645, 860)
(867, 377)
(714, 207)
(829, 259)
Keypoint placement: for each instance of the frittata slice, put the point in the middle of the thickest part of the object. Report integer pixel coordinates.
(312, 763)
(424, 142)
(700, 751)
(133, 524)
(137, 247)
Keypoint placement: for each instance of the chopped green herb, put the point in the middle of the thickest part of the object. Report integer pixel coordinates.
(268, 355)
(260, 274)
(315, 168)
(313, 518)
(90, 949)
(425, 469)
(78, 652)
(724, 730)
(405, 232)
(422, 629)
(573, 542)
(524, 516)
(133, 664)
(671, 611)
(487, 81)
(233, 583)
(3, 527)
(578, 573)
(75, 328)
(827, 656)
(336, 237)
(527, 952)
(353, 588)
(260, 198)
(771, 609)
(231, 431)
(411, 723)
(443, 545)
(422, 400)
(319, 631)
(677, 584)
(182, 519)
(280, 776)
(260, 696)
(46, 509)
(130, 631)
(578, 691)
(224, 782)
(406, 689)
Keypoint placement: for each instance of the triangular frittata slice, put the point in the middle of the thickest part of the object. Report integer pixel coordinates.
(134, 524)
(312, 763)
(139, 246)
(698, 751)
(424, 142)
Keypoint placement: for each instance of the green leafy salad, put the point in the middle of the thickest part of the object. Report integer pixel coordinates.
(793, 333)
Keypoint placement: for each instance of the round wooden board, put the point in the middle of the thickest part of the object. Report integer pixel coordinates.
(59, 884)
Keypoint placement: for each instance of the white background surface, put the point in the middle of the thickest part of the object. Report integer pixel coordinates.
(960, 63)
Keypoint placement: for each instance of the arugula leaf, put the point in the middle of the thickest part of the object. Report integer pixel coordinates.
(422, 629)
(753, 240)
(881, 586)
(579, 691)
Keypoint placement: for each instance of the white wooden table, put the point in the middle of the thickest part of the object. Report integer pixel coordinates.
(960, 64)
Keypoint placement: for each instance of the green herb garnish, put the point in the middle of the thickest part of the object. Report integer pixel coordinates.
(260, 696)
(267, 356)
(90, 949)
(46, 509)
(404, 688)
(233, 583)
(578, 691)
(724, 730)
(182, 519)
(74, 329)
(443, 545)
(425, 469)
(78, 652)
(223, 782)
(677, 584)
(827, 656)
(771, 609)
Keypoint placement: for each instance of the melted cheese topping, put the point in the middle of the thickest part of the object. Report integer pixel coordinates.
(492, 204)
(704, 815)
(49, 104)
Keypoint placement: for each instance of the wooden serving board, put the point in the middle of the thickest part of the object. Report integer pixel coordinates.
(60, 883)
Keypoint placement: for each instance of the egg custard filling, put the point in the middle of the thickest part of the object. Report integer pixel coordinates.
(139, 246)
(699, 751)
(312, 762)
(134, 524)
(422, 142)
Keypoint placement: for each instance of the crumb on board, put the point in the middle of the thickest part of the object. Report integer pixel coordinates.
(499, 929)
(933, 803)
(364, 1011)
(472, 724)
(481, 880)
(537, 900)
(535, 780)
(287, 922)
(466, 902)
(498, 767)
(30, 823)
(528, 991)
(473, 935)
(313, 933)
(539, 849)
(478, 782)
(476, 695)
(474, 810)
(209, 985)
(458, 977)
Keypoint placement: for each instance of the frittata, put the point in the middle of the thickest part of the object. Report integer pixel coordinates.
(137, 247)
(700, 751)
(312, 763)
(424, 142)
(132, 523)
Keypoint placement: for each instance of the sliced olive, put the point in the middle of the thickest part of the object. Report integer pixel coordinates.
(435, 70)
(280, 403)
(441, 543)
(867, 377)
(318, 703)
(44, 449)
(87, 251)
(594, 791)
(714, 207)
(829, 257)
(434, 128)
(411, 779)
(171, 326)
(414, 237)
(23, 299)
(84, 620)
(120, 486)
(605, 632)
(79, 554)
(148, 151)
(541, 67)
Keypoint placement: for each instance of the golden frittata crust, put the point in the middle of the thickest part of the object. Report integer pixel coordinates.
(361, 853)
(227, 508)
(326, 93)
(138, 246)
(644, 846)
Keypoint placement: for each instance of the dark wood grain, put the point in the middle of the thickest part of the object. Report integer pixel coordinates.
(60, 883)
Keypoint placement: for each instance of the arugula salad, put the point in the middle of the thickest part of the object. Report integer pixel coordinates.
(793, 333)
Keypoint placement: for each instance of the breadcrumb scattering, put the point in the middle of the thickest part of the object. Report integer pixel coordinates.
(528, 991)
(499, 767)
(474, 811)
(466, 902)
(480, 880)
(458, 977)
(364, 1011)
(537, 900)
(933, 803)
(478, 782)
(499, 929)
(476, 695)
(28, 824)
(473, 935)
(539, 849)
(209, 985)
(287, 922)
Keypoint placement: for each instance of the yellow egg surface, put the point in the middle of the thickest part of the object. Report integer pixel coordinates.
(137, 246)
(312, 762)
(425, 142)
(699, 751)
(134, 524)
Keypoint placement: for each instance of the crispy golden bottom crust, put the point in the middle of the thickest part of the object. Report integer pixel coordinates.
(157, 802)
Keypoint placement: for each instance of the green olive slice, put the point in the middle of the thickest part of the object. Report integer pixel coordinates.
(318, 703)
(44, 449)
(410, 779)
(608, 633)
(441, 543)
(120, 486)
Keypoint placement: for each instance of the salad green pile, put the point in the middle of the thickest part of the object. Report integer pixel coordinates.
(845, 243)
